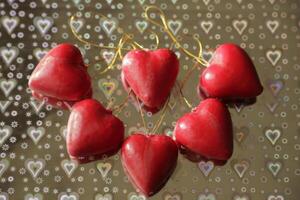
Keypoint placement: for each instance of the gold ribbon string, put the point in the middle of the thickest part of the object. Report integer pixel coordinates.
(166, 28)
(141, 112)
(121, 106)
(162, 116)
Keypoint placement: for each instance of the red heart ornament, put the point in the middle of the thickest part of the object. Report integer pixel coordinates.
(149, 161)
(207, 130)
(150, 75)
(61, 76)
(230, 75)
(93, 131)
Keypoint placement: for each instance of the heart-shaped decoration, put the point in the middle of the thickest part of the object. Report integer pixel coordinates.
(241, 197)
(206, 167)
(240, 134)
(169, 196)
(275, 86)
(135, 196)
(104, 168)
(149, 161)
(230, 75)
(5, 133)
(150, 75)
(206, 26)
(7, 86)
(61, 77)
(77, 24)
(240, 25)
(206, 2)
(274, 56)
(69, 166)
(37, 196)
(10, 23)
(39, 53)
(43, 24)
(4, 196)
(240, 167)
(9, 54)
(93, 131)
(36, 134)
(274, 167)
(275, 197)
(3, 106)
(141, 25)
(108, 86)
(272, 106)
(109, 25)
(273, 135)
(207, 130)
(272, 25)
(104, 197)
(68, 196)
(174, 26)
(4, 164)
(209, 196)
(35, 166)
(37, 106)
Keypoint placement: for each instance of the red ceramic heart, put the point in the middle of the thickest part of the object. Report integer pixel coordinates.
(230, 75)
(150, 75)
(93, 131)
(207, 130)
(61, 76)
(149, 161)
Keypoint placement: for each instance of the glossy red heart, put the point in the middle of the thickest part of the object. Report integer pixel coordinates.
(150, 75)
(230, 75)
(93, 131)
(61, 76)
(207, 130)
(149, 161)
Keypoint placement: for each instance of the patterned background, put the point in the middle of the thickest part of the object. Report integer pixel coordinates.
(265, 165)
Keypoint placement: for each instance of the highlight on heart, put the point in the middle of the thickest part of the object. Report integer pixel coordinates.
(95, 131)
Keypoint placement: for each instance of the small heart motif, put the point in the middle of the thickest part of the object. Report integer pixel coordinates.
(77, 24)
(37, 196)
(10, 23)
(9, 54)
(104, 197)
(39, 53)
(35, 166)
(272, 106)
(108, 86)
(4, 164)
(275, 86)
(241, 197)
(206, 167)
(5, 133)
(207, 55)
(240, 25)
(273, 56)
(3, 106)
(206, 26)
(108, 56)
(241, 134)
(141, 25)
(274, 167)
(4, 195)
(272, 25)
(7, 85)
(43, 24)
(174, 26)
(275, 197)
(66, 196)
(169, 196)
(273, 135)
(240, 167)
(37, 105)
(206, 2)
(36, 134)
(69, 166)
(104, 168)
(109, 25)
(134, 196)
(208, 196)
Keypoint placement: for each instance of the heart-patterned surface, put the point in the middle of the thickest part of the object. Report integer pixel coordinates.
(5, 133)
(4, 164)
(109, 25)
(62, 68)
(9, 54)
(9, 23)
(240, 167)
(104, 168)
(43, 24)
(149, 161)
(108, 86)
(273, 135)
(7, 86)
(88, 122)
(36, 134)
(150, 75)
(274, 167)
(206, 167)
(69, 166)
(230, 75)
(207, 130)
(274, 56)
(35, 166)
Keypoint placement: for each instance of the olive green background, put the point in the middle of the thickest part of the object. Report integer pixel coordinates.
(265, 164)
